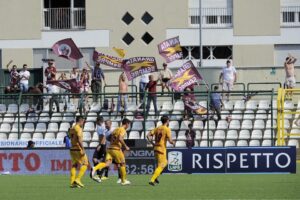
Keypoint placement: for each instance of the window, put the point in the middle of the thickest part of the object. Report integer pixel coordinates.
(226, 19)
(288, 16)
(195, 19)
(60, 14)
(147, 18)
(222, 52)
(211, 19)
(209, 52)
(147, 38)
(128, 39)
(127, 18)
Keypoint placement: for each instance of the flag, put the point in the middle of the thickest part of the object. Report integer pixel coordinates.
(138, 66)
(66, 48)
(110, 61)
(119, 51)
(185, 76)
(170, 49)
(71, 85)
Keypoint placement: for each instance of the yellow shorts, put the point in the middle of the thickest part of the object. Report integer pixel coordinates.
(161, 159)
(77, 158)
(116, 155)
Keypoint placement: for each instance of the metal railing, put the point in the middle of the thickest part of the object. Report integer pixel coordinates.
(211, 17)
(290, 16)
(64, 18)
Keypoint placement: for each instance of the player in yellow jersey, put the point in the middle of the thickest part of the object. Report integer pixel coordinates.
(161, 135)
(77, 153)
(114, 152)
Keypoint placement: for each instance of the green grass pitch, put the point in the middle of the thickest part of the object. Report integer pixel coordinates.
(173, 187)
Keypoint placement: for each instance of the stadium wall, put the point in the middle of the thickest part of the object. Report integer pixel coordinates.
(20, 19)
(262, 17)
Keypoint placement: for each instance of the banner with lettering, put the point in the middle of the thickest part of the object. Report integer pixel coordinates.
(71, 85)
(185, 76)
(107, 60)
(170, 49)
(67, 49)
(138, 66)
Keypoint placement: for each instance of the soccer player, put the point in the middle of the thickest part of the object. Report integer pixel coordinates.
(77, 153)
(114, 152)
(161, 135)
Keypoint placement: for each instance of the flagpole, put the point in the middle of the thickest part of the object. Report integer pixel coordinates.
(200, 33)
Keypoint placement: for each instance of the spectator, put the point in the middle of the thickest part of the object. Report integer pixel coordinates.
(123, 90)
(216, 102)
(84, 82)
(188, 100)
(62, 76)
(75, 74)
(50, 71)
(290, 76)
(151, 87)
(54, 90)
(30, 144)
(227, 78)
(143, 82)
(165, 76)
(97, 76)
(14, 78)
(24, 75)
(190, 136)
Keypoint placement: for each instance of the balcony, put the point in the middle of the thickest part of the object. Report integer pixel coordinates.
(290, 16)
(211, 17)
(64, 18)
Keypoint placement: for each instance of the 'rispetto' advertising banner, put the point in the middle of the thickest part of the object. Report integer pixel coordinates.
(232, 160)
(141, 160)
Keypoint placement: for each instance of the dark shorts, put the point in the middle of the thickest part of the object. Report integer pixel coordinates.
(165, 80)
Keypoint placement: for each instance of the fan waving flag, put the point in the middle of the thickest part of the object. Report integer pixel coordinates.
(186, 75)
(110, 61)
(138, 66)
(66, 48)
(170, 49)
(71, 85)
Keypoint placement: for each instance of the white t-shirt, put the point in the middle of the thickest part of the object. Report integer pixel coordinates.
(26, 74)
(228, 73)
(145, 78)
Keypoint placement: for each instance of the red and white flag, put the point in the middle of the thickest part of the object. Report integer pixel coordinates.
(71, 85)
(66, 48)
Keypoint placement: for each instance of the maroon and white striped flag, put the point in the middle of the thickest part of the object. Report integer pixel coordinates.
(66, 48)
(170, 49)
(71, 85)
(185, 76)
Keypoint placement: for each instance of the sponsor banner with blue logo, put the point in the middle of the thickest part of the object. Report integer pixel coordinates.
(232, 160)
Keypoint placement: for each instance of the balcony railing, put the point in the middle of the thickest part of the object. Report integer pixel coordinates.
(211, 17)
(64, 18)
(290, 16)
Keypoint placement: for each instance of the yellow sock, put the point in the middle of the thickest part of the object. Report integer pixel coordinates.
(73, 174)
(156, 174)
(100, 166)
(81, 172)
(123, 173)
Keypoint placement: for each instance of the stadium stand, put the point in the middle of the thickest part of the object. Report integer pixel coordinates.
(251, 123)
